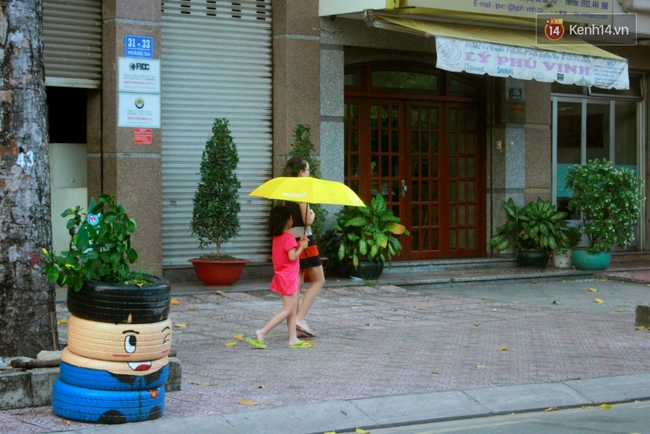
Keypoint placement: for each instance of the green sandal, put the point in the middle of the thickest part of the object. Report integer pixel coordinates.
(301, 344)
(256, 343)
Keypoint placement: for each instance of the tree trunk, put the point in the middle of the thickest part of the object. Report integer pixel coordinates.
(27, 298)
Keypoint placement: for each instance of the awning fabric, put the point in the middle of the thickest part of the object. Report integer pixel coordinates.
(501, 52)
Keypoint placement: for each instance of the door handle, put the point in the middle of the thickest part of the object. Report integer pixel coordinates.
(404, 188)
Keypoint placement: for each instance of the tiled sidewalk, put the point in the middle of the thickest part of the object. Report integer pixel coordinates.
(387, 341)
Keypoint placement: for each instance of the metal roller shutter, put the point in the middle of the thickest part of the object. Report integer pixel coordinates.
(72, 33)
(216, 63)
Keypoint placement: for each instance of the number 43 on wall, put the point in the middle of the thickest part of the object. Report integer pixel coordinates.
(25, 158)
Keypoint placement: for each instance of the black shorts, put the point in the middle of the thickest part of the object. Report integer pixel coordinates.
(310, 258)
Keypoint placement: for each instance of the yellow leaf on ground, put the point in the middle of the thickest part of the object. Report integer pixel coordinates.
(598, 300)
(238, 336)
(219, 292)
(620, 310)
(484, 298)
(480, 366)
(191, 308)
(605, 278)
(437, 372)
(180, 326)
(494, 310)
(503, 349)
(585, 407)
(62, 321)
(593, 289)
(174, 301)
(248, 403)
(551, 409)
(362, 431)
(230, 344)
(640, 328)
(421, 308)
(330, 432)
(354, 307)
(605, 406)
(260, 386)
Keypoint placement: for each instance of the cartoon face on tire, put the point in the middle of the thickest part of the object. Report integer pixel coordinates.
(130, 343)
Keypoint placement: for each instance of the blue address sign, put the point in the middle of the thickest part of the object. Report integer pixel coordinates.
(138, 46)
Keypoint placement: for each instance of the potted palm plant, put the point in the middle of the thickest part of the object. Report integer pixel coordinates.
(216, 207)
(367, 239)
(536, 229)
(609, 201)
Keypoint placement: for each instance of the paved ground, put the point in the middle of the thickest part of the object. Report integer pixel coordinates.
(387, 355)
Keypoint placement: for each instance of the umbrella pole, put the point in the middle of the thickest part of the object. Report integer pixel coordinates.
(305, 220)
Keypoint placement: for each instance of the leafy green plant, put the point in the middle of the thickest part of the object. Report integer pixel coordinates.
(536, 226)
(609, 200)
(573, 238)
(216, 201)
(303, 147)
(100, 249)
(367, 232)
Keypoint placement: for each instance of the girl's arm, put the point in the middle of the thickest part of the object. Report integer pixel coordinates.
(310, 213)
(295, 252)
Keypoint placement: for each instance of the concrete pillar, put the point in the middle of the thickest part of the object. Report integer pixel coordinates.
(116, 165)
(296, 74)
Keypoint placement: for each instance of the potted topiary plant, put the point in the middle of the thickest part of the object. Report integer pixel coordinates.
(367, 239)
(609, 201)
(216, 208)
(537, 230)
(562, 255)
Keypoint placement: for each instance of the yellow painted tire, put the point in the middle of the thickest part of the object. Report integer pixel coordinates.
(119, 342)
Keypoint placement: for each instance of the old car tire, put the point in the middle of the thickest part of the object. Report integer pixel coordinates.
(119, 342)
(122, 303)
(89, 405)
(104, 375)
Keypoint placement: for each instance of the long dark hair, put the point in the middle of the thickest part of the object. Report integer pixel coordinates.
(278, 217)
(295, 165)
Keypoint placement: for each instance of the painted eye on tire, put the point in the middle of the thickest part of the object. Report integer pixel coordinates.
(130, 343)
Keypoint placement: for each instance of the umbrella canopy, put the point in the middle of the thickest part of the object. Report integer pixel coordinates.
(309, 190)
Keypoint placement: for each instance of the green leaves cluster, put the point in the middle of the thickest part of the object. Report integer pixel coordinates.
(609, 200)
(216, 200)
(100, 252)
(367, 232)
(536, 226)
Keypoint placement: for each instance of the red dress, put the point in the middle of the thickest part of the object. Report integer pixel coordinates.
(285, 277)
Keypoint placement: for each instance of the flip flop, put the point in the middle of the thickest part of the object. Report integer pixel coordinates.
(307, 333)
(256, 343)
(301, 344)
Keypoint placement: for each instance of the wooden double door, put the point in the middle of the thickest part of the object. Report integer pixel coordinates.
(427, 159)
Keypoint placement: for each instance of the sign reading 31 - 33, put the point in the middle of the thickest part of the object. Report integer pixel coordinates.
(138, 75)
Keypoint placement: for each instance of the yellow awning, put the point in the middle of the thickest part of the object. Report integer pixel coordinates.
(515, 53)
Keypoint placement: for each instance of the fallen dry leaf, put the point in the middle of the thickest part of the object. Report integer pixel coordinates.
(330, 432)
(484, 298)
(503, 349)
(62, 321)
(605, 278)
(238, 336)
(260, 387)
(421, 308)
(219, 292)
(620, 310)
(477, 324)
(598, 300)
(593, 289)
(230, 344)
(437, 372)
(551, 409)
(191, 308)
(494, 310)
(640, 328)
(362, 431)
(354, 307)
(394, 310)
(201, 384)
(248, 403)
(480, 366)
(180, 326)
(605, 406)
(175, 302)
(585, 407)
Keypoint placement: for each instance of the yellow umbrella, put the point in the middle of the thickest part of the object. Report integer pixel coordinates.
(309, 190)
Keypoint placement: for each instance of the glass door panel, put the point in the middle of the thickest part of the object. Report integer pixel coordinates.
(598, 131)
(569, 147)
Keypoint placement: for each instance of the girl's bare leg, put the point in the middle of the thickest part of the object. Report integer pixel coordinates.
(291, 301)
(317, 277)
(288, 310)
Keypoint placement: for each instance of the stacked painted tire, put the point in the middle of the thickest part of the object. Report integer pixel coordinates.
(116, 363)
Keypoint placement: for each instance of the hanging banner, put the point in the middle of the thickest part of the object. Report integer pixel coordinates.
(460, 55)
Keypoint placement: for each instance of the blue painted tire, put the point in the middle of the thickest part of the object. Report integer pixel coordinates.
(101, 406)
(119, 376)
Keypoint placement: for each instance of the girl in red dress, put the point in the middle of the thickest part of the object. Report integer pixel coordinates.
(285, 252)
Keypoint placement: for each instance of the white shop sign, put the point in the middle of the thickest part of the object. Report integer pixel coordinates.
(527, 64)
(138, 75)
(140, 110)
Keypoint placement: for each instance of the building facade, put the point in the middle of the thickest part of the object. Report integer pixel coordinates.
(445, 148)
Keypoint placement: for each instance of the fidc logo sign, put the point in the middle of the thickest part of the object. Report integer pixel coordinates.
(139, 66)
